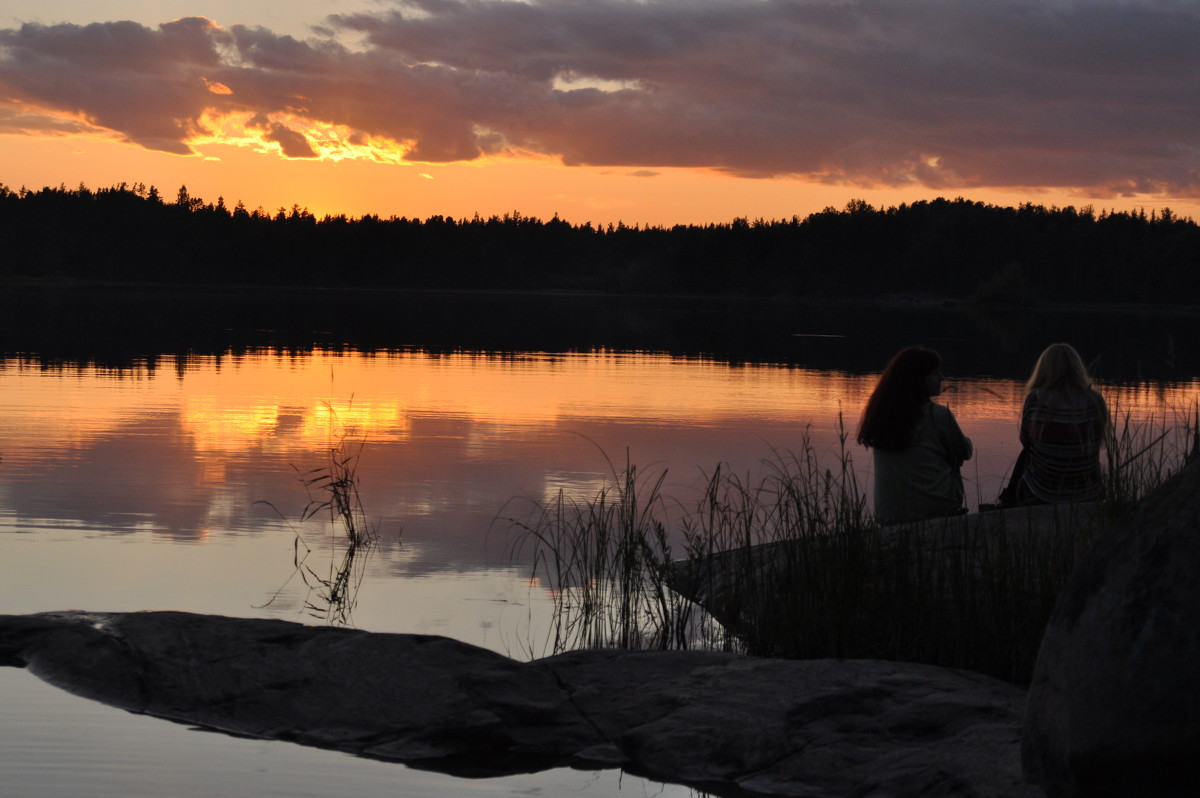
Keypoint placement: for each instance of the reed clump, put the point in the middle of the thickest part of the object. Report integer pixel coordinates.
(1143, 453)
(607, 562)
(331, 593)
(793, 564)
(333, 491)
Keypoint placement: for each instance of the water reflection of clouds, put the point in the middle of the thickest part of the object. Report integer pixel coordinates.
(143, 469)
(449, 440)
(573, 487)
(256, 399)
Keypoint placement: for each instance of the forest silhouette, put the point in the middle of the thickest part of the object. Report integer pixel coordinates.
(943, 249)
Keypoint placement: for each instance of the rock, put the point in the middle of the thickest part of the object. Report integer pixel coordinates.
(731, 724)
(1114, 705)
(403, 697)
(792, 727)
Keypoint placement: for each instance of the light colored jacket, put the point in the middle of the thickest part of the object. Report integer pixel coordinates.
(924, 480)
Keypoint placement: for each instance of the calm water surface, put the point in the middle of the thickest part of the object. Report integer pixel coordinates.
(171, 482)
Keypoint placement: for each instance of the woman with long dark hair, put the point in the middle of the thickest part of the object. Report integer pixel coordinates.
(918, 446)
(1063, 423)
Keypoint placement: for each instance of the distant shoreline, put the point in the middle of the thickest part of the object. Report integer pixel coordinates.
(935, 254)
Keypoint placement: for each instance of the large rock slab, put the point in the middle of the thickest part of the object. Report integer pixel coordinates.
(730, 724)
(402, 697)
(803, 728)
(1114, 705)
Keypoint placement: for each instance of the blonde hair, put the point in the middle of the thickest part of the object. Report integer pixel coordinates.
(1059, 369)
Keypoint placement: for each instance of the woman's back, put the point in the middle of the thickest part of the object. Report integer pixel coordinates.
(922, 480)
(918, 447)
(1062, 431)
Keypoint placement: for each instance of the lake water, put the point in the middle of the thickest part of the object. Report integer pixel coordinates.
(152, 445)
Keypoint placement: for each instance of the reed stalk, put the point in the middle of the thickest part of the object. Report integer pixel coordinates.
(333, 493)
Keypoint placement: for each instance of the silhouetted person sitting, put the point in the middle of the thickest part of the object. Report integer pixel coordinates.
(1063, 423)
(918, 446)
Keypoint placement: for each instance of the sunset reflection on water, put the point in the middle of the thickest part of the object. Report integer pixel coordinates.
(444, 432)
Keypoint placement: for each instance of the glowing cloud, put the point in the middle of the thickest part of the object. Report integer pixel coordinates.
(294, 137)
(1101, 96)
(216, 88)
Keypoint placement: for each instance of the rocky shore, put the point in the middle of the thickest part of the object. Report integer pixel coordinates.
(725, 723)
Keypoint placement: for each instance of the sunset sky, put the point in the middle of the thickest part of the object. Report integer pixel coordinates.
(656, 112)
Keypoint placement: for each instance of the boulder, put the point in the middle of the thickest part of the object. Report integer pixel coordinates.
(1114, 704)
(731, 724)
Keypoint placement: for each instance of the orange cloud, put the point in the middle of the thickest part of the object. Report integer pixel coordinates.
(295, 137)
(215, 87)
(926, 93)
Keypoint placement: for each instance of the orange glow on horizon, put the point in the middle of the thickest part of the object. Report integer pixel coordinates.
(355, 176)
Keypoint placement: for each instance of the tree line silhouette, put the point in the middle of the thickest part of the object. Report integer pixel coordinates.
(957, 249)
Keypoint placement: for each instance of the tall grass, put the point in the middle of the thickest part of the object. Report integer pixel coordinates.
(1142, 454)
(607, 561)
(333, 493)
(793, 565)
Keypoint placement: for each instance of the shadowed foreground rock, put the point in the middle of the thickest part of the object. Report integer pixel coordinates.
(1114, 706)
(732, 725)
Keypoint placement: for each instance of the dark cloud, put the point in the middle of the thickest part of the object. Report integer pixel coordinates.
(1101, 95)
(142, 83)
(293, 143)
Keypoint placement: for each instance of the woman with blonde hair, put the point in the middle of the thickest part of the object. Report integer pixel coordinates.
(918, 447)
(1063, 424)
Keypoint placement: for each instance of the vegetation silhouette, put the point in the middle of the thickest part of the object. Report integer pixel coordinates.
(946, 249)
(793, 564)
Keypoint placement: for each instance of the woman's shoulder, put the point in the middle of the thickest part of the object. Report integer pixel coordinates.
(1097, 401)
(940, 412)
(1064, 398)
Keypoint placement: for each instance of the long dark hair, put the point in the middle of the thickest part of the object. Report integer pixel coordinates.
(899, 396)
